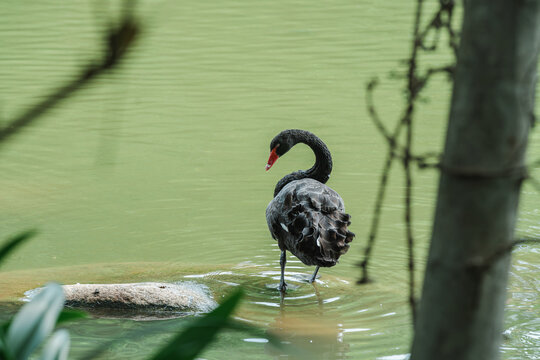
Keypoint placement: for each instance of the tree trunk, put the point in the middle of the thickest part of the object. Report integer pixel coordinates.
(461, 309)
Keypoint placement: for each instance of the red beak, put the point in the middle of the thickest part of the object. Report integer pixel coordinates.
(272, 159)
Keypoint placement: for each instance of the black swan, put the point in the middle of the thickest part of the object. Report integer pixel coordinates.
(307, 217)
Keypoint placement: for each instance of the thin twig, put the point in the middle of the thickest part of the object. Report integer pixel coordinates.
(391, 139)
(518, 172)
(374, 115)
(413, 89)
(375, 220)
(119, 39)
(535, 183)
(483, 263)
(535, 163)
(381, 192)
(415, 84)
(422, 81)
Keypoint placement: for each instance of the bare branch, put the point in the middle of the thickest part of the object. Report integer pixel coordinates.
(535, 183)
(415, 83)
(519, 172)
(535, 163)
(374, 115)
(483, 263)
(118, 40)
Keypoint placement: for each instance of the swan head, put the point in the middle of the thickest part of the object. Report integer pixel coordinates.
(279, 145)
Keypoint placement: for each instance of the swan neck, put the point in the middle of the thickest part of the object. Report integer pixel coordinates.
(322, 168)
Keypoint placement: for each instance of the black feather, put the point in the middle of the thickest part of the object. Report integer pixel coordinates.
(316, 235)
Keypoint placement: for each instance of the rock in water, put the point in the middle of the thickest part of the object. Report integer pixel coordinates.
(185, 297)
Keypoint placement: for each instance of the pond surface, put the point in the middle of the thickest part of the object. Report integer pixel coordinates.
(156, 172)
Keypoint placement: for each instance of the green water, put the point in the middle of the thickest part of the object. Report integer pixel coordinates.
(156, 172)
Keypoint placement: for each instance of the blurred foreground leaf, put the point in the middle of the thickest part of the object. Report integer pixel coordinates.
(34, 322)
(57, 347)
(3, 350)
(191, 341)
(15, 241)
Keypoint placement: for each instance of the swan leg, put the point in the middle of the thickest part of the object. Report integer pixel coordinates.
(314, 274)
(282, 262)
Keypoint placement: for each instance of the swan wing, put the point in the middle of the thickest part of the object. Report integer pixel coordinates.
(308, 218)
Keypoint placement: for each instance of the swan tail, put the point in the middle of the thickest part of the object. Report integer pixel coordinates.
(324, 235)
(334, 236)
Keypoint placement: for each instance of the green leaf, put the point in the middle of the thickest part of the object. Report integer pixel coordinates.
(3, 354)
(191, 341)
(70, 315)
(15, 241)
(57, 347)
(34, 322)
(4, 327)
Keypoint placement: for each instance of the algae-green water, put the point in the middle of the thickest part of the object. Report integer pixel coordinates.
(155, 172)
